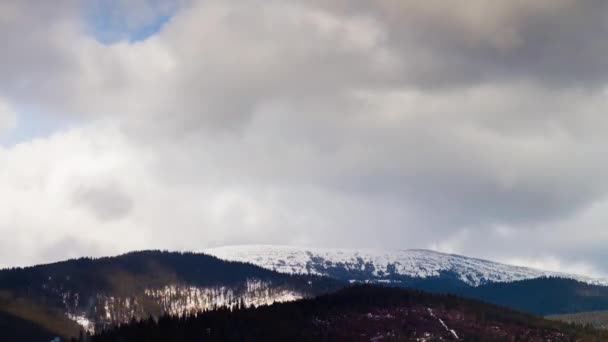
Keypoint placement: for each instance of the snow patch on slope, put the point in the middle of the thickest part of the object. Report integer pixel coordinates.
(84, 322)
(380, 265)
(445, 326)
(177, 300)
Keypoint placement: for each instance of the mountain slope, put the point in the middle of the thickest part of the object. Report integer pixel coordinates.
(361, 313)
(520, 288)
(598, 319)
(384, 266)
(22, 320)
(15, 328)
(543, 296)
(99, 292)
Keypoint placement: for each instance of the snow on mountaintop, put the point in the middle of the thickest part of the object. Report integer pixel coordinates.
(380, 265)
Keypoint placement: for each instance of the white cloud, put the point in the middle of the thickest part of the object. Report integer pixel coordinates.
(8, 118)
(392, 123)
(554, 264)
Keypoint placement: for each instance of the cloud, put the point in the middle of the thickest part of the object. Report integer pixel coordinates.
(107, 202)
(351, 123)
(8, 118)
(478, 41)
(552, 264)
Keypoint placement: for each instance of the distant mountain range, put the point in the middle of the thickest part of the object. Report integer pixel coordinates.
(385, 266)
(526, 289)
(98, 293)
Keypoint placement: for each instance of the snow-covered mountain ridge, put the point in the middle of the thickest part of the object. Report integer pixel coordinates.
(384, 265)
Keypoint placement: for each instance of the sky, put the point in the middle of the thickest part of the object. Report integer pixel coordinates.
(476, 128)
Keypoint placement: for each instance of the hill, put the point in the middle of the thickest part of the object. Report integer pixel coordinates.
(22, 320)
(360, 313)
(100, 292)
(542, 296)
(14, 328)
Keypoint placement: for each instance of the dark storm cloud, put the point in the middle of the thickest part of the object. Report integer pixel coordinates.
(557, 43)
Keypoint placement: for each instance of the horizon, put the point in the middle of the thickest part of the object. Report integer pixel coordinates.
(187, 124)
(209, 252)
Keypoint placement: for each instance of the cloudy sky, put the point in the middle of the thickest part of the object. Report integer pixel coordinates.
(477, 128)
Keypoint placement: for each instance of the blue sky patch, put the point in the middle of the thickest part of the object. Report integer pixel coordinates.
(32, 124)
(115, 20)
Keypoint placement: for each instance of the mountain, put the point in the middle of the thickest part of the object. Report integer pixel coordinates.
(520, 288)
(97, 293)
(396, 267)
(360, 313)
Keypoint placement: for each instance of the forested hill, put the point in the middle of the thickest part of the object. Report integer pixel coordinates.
(542, 296)
(145, 268)
(361, 313)
(99, 292)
